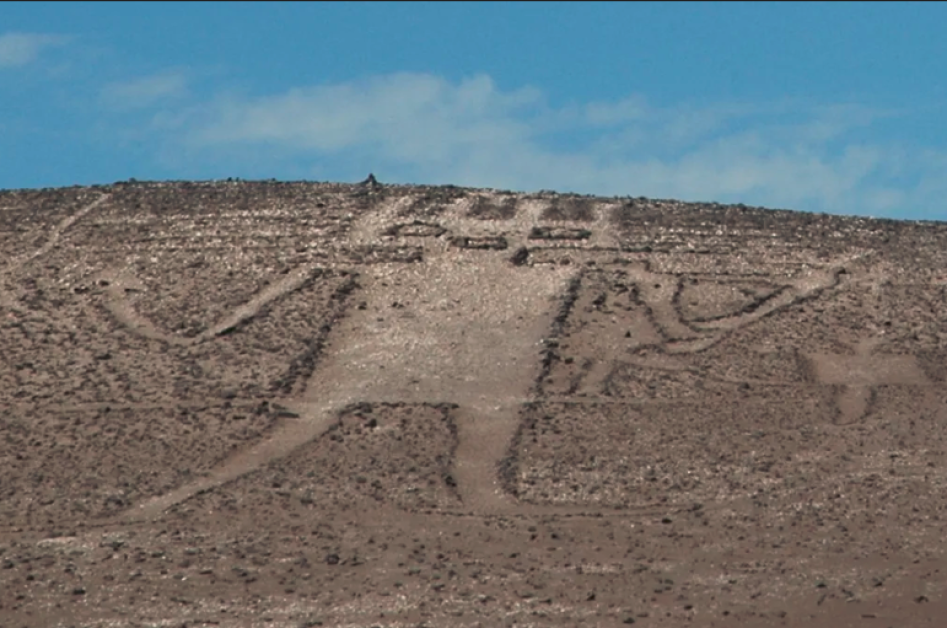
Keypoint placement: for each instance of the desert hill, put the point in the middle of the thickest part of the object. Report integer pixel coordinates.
(298, 404)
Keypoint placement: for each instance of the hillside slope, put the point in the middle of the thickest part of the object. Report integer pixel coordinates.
(298, 404)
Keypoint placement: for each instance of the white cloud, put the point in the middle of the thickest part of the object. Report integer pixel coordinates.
(146, 91)
(423, 128)
(414, 117)
(630, 109)
(20, 49)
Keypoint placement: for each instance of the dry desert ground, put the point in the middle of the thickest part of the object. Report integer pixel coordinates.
(304, 404)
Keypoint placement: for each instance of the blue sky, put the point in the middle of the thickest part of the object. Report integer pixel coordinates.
(835, 107)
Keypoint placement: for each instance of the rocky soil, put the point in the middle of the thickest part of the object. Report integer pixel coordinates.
(307, 404)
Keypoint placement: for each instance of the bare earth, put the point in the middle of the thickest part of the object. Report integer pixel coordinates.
(305, 404)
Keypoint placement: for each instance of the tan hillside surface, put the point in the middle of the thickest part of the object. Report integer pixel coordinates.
(307, 404)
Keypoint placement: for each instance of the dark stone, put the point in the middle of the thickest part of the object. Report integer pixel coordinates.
(520, 257)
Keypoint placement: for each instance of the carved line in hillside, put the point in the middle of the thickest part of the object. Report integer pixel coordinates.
(800, 292)
(755, 303)
(305, 425)
(52, 241)
(117, 304)
(477, 497)
(786, 296)
(854, 400)
(483, 463)
(505, 467)
(459, 217)
(282, 442)
(284, 439)
(483, 438)
(295, 432)
(301, 368)
(126, 315)
(579, 509)
(301, 365)
(657, 293)
(309, 423)
(484, 428)
(594, 374)
(858, 376)
(56, 234)
(158, 505)
(550, 355)
(855, 377)
(447, 410)
(589, 371)
(255, 458)
(484, 422)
